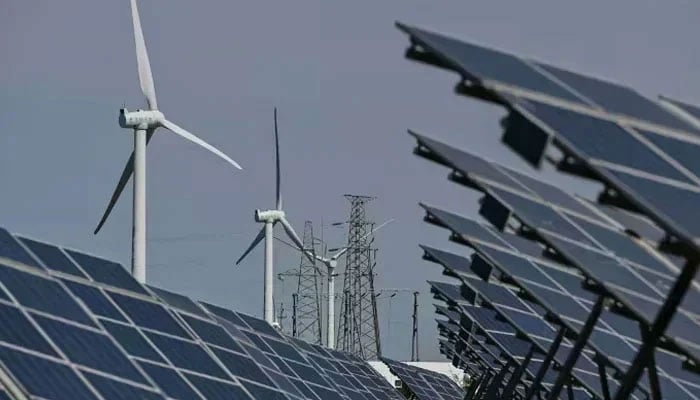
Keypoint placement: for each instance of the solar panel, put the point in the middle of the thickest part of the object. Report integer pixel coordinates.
(70, 336)
(425, 384)
(52, 257)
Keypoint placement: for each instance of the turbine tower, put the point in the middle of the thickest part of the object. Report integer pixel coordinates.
(270, 218)
(359, 326)
(331, 264)
(144, 124)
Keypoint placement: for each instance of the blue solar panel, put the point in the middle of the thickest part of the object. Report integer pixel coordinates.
(179, 301)
(107, 272)
(169, 381)
(672, 202)
(44, 378)
(95, 300)
(187, 355)
(42, 294)
(148, 315)
(132, 341)
(10, 249)
(683, 151)
(261, 392)
(602, 268)
(212, 333)
(242, 366)
(425, 384)
(617, 98)
(18, 330)
(216, 390)
(468, 164)
(52, 257)
(90, 349)
(466, 227)
(514, 265)
(114, 390)
(486, 64)
(539, 215)
(594, 138)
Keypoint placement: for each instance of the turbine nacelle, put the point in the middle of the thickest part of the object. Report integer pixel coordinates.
(140, 119)
(270, 216)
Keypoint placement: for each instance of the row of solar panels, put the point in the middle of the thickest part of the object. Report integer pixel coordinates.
(74, 326)
(551, 268)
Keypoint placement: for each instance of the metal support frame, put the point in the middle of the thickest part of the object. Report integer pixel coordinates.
(475, 385)
(535, 385)
(492, 393)
(663, 319)
(581, 340)
(484, 386)
(603, 375)
(518, 374)
(570, 391)
(651, 367)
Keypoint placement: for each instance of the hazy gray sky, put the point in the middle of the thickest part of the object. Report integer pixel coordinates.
(345, 95)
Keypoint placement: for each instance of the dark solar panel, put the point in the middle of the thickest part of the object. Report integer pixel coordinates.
(617, 99)
(55, 380)
(486, 64)
(107, 272)
(11, 249)
(427, 385)
(42, 294)
(52, 257)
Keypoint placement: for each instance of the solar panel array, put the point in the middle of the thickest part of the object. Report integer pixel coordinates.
(613, 273)
(425, 384)
(77, 326)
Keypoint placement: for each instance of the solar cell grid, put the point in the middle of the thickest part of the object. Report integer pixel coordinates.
(484, 64)
(95, 300)
(52, 257)
(149, 314)
(425, 384)
(11, 250)
(107, 272)
(42, 294)
(90, 348)
(466, 163)
(178, 301)
(56, 380)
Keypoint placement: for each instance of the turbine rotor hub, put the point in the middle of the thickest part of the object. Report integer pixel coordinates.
(140, 119)
(270, 216)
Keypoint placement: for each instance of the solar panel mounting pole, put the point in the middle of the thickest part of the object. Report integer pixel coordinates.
(603, 376)
(535, 385)
(492, 393)
(517, 375)
(663, 319)
(581, 340)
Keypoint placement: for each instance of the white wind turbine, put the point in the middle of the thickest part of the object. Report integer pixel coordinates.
(270, 218)
(144, 123)
(331, 263)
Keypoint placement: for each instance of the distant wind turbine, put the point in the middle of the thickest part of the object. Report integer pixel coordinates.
(144, 123)
(331, 263)
(270, 218)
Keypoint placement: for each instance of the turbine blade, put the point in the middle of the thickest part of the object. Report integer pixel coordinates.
(258, 239)
(308, 253)
(316, 256)
(144, 65)
(123, 180)
(368, 234)
(293, 235)
(277, 161)
(194, 139)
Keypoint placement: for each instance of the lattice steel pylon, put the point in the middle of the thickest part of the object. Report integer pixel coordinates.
(358, 331)
(308, 301)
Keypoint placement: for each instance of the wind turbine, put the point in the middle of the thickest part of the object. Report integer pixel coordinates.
(331, 263)
(144, 123)
(270, 218)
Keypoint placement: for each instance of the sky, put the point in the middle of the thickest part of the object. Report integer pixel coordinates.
(346, 96)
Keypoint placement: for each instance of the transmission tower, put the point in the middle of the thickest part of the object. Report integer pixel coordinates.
(307, 306)
(358, 332)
